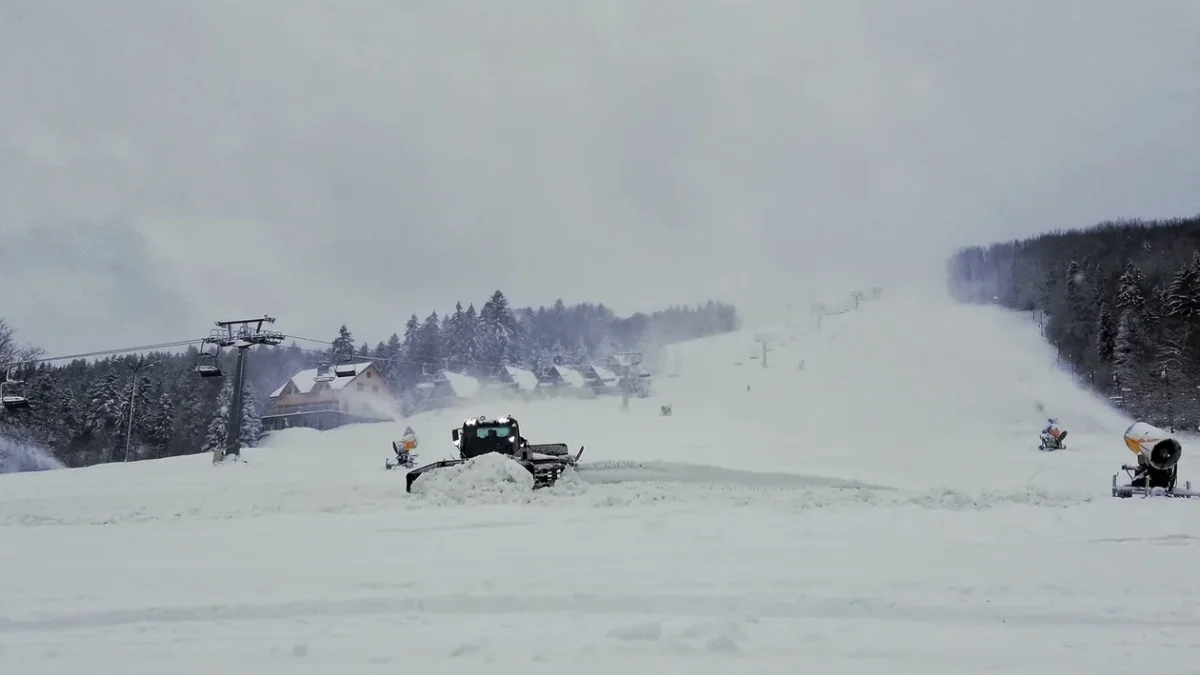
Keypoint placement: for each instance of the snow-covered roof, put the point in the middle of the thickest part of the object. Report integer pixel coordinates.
(623, 360)
(304, 380)
(570, 376)
(604, 374)
(464, 386)
(525, 379)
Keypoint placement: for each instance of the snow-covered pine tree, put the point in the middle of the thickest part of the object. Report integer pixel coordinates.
(160, 426)
(579, 355)
(251, 431)
(389, 368)
(252, 425)
(215, 436)
(548, 358)
(193, 407)
(68, 412)
(1183, 295)
(103, 402)
(379, 356)
(408, 372)
(343, 344)
(428, 346)
(497, 333)
(1130, 288)
(103, 414)
(411, 328)
(1106, 334)
(470, 338)
(453, 345)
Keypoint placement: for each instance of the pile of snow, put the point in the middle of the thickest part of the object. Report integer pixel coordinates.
(489, 479)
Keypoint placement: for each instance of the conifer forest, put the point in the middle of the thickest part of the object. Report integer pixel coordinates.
(1120, 303)
(80, 409)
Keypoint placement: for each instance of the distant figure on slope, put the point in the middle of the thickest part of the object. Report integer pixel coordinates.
(1157, 456)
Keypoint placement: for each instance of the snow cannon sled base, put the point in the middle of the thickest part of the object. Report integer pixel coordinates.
(404, 458)
(481, 436)
(1129, 490)
(1049, 443)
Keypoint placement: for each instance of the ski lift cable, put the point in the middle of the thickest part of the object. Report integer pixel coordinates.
(103, 352)
(196, 341)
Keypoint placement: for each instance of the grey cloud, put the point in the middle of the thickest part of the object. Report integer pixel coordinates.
(632, 152)
(100, 282)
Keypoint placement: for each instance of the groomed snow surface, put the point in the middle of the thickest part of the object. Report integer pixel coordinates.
(881, 510)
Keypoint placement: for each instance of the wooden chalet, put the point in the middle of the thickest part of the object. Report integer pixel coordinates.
(329, 397)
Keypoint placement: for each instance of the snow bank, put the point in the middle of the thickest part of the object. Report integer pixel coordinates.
(489, 479)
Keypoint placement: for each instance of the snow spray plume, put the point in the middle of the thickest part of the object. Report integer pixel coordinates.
(17, 456)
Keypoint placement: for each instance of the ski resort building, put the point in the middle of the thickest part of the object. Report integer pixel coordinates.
(600, 380)
(518, 379)
(449, 388)
(328, 397)
(564, 379)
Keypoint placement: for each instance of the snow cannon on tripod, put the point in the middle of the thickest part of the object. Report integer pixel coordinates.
(403, 448)
(1156, 473)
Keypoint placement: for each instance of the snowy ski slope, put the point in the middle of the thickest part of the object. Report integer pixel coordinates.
(882, 510)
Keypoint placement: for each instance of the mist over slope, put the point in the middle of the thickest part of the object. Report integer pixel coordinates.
(911, 389)
(17, 456)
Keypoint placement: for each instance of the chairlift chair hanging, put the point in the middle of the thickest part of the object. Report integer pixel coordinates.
(207, 360)
(323, 373)
(345, 369)
(12, 393)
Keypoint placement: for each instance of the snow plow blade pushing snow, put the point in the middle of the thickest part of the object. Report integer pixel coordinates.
(481, 436)
(416, 473)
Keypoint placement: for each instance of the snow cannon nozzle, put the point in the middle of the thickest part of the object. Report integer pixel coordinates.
(1165, 454)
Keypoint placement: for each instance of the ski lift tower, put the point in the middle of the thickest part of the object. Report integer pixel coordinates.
(241, 334)
(765, 339)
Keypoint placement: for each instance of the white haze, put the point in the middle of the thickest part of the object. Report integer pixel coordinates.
(17, 455)
(165, 164)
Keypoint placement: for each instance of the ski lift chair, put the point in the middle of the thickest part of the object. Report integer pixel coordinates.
(323, 374)
(13, 400)
(209, 370)
(207, 360)
(345, 369)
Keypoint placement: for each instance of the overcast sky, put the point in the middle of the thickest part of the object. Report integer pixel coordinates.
(167, 163)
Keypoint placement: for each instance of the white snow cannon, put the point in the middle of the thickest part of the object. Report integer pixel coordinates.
(1157, 470)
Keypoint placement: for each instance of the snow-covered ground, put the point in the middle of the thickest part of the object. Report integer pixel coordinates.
(882, 510)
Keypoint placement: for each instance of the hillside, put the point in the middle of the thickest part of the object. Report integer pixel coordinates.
(881, 509)
(1120, 303)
